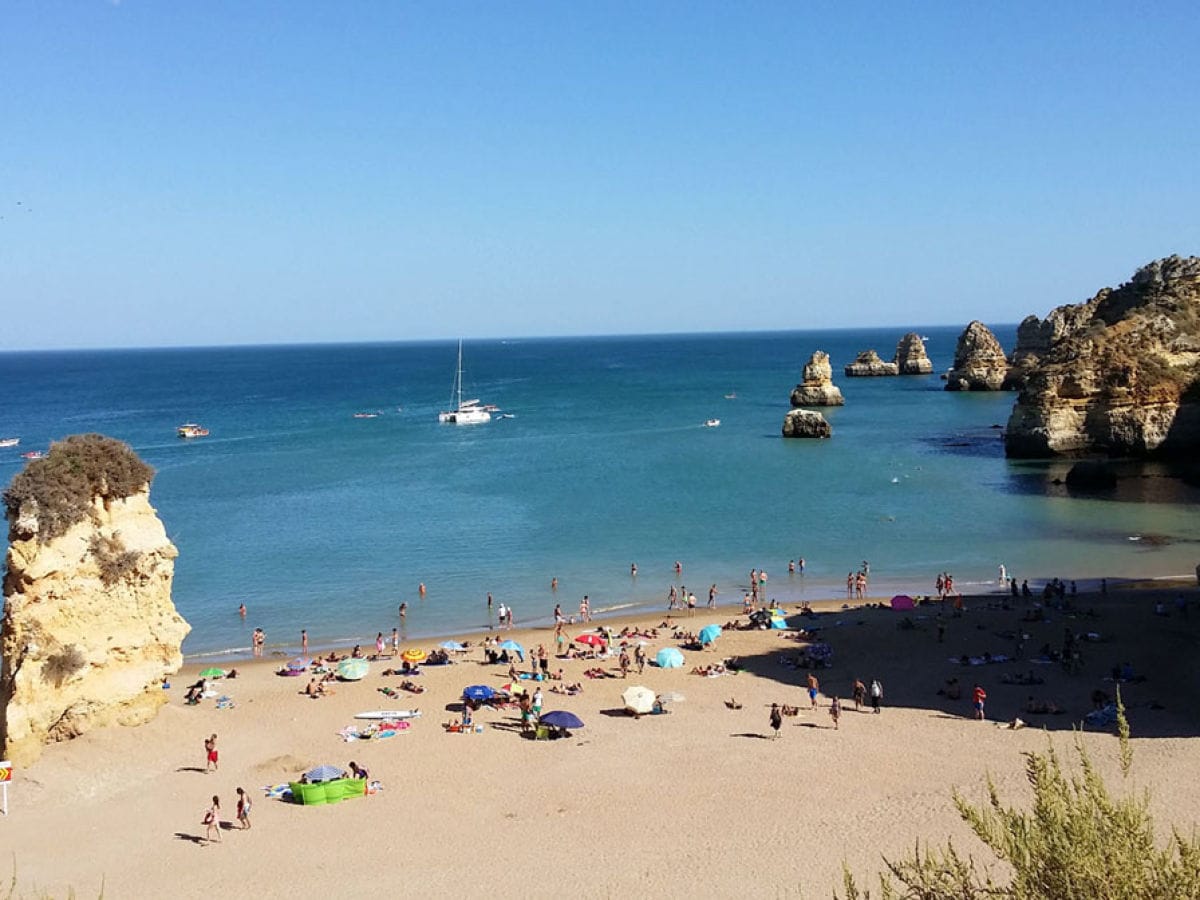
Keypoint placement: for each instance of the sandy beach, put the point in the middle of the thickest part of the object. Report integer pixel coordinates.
(699, 801)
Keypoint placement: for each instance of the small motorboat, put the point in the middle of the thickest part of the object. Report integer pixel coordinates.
(9, 442)
(712, 423)
(366, 415)
(191, 430)
(33, 454)
(732, 395)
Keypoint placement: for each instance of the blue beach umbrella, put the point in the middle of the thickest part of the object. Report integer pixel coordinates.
(560, 718)
(513, 647)
(353, 669)
(299, 664)
(324, 773)
(778, 622)
(669, 658)
(709, 633)
(478, 692)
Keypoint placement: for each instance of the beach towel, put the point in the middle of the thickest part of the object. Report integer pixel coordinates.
(1102, 718)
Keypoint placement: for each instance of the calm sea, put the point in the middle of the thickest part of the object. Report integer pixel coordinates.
(319, 520)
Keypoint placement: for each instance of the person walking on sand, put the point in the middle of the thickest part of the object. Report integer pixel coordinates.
(876, 694)
(814, 687)
(210, 753)
(212, 821)
(776, 720)
(860, 694)
(979, 697)
(243, 809)
(835, 711)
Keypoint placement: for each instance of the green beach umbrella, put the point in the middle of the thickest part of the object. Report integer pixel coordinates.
(213, 673)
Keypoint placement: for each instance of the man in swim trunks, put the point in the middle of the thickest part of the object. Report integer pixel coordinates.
(210, 753)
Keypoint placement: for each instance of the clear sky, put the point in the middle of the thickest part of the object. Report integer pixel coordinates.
(176, 173)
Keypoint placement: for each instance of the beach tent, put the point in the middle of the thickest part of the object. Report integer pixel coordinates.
(353, 669)
(669, 658)
(638, 699)
(709, 633)
(902, 601)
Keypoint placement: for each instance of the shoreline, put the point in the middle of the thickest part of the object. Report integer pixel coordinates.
(795, 591)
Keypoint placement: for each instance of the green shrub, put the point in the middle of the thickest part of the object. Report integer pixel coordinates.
(1077, 842)
(76, 471)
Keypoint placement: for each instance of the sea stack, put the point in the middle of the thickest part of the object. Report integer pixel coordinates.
(868, 364)
(910, 358)
(818, 388)
(1117, 375)
(979, 361)
(806, 423)
(89, 629)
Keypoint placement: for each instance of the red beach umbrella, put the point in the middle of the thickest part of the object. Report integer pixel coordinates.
(592, 640)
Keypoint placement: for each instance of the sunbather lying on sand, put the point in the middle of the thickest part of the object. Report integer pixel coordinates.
(412, 687)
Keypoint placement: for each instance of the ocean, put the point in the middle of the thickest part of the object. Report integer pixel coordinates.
(316, 519)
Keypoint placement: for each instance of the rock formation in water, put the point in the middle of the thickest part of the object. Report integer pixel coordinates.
(868, 363)
(806, 423)
(1117, 375)
(89, 629)
(818, 388)
(979, 361)
(910, 358)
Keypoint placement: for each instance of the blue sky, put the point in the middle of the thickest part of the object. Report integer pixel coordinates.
(177, 173)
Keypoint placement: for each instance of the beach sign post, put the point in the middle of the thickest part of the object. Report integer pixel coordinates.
(5, 778)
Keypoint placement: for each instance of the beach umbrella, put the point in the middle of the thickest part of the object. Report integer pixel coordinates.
(669, 658)
(353, 669)
(452, 645)
(414, 655)
(592, 640)
(709, 633)
(638, 699)
(778, 622)
(560, 718)
(479, 692)
(299, 664)
(213, 673)
(513, 647)
(671, 697)
(902, 601)
(324, 773)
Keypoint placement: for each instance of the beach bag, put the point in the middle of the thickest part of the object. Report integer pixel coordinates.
(208, 818)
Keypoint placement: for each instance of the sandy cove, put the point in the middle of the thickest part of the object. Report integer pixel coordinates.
(697, 801)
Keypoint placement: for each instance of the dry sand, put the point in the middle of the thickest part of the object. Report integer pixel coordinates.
(697, 802)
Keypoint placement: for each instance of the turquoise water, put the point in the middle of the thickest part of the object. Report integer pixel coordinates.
(317, 520)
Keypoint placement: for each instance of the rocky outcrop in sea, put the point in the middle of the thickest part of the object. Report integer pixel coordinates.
(868, 364)
(911, 358)
(818, 388)
(979, 361)
(89, 629)
(806, 423)
(1117, 375)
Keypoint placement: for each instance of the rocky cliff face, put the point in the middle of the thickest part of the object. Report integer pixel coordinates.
(89, 629)
(818, 388)
(979, 361)
(868, 364)
(1118, 375)
(910, 358)
(806, 423)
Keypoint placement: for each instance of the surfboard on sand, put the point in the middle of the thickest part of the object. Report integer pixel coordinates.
(389, 714)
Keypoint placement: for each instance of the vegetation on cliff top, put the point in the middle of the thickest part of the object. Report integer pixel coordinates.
(76, 471)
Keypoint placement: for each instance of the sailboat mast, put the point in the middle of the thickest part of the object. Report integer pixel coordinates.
(458, 378)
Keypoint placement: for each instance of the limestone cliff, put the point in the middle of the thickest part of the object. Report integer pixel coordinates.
(868, 363)
(1117, 375)
(979, 361)
(89, 629)
(911, 358)
(806, 423)
(818, 388)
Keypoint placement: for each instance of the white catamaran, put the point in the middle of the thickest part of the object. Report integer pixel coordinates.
(465, 412)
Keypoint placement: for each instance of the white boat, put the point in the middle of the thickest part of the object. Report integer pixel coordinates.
(389, 715)
(712, 423)
(192, 430)
(9, 442)
(465, 412)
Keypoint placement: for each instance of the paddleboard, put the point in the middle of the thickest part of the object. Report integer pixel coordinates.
(390, 714)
